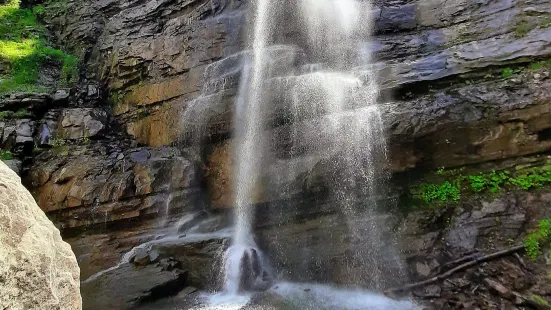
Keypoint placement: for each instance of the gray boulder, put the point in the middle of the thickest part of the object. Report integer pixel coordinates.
(38, 270)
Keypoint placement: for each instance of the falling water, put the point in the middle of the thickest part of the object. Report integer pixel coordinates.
(243, 259)
(318, 81)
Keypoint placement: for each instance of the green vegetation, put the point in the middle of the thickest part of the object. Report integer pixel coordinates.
(540, 64)
(545, 22)
(22, 113)
(522, 27)
(5, 155)
(23, 50)
(533, 241)
(540, 301)
(492, 182)
(507, 73)
(57, 142)
(441, 192)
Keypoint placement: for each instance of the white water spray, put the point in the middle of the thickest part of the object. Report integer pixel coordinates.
(320, 85)
(243, 259)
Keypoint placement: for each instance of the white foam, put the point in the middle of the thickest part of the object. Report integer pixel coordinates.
(315, 296)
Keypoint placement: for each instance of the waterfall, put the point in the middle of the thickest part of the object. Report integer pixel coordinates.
(243, 262)
(316, 77)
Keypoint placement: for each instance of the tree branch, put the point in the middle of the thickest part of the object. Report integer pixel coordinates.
(475, 261)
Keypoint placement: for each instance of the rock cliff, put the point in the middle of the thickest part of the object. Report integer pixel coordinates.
(142, 142)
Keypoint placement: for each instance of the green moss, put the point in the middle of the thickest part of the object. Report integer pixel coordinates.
(5, 155)
(23, 50)
(545, 22)
(22, 113)
(522, 27)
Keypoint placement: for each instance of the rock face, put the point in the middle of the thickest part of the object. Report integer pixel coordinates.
(145, 140)
(38, 270)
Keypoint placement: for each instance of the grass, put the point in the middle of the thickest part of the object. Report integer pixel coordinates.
(24, 50)
(493, 182)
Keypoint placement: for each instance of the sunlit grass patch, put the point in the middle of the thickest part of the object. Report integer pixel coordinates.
(24, 50)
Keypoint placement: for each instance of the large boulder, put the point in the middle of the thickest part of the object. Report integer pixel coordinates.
(38, 270)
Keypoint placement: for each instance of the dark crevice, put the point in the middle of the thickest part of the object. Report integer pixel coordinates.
(544, 135)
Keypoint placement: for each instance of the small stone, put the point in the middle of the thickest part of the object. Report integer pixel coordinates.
(537, 76)
(153, 256)
(120, 156)
(498, 288)
(61, 95)
(422, 269)
(141, 258)
(92, 90)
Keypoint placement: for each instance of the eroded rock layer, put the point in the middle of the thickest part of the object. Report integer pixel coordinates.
(145, 139)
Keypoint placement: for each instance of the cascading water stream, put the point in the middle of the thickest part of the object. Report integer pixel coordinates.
(319, 81)
(243, 262)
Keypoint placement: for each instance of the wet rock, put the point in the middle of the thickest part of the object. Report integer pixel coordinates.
(202, 259)
(153, 256)
(127, 286)
(170, 264)
(396, 18)
(429, 291)
(141, 258)
(187, 291)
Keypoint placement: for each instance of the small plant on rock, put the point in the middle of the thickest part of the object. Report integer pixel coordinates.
(5, 155)
(522, 27)
(492, 181)
(507, 73)
(57, 142)
(533, 241)
(441, 192)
